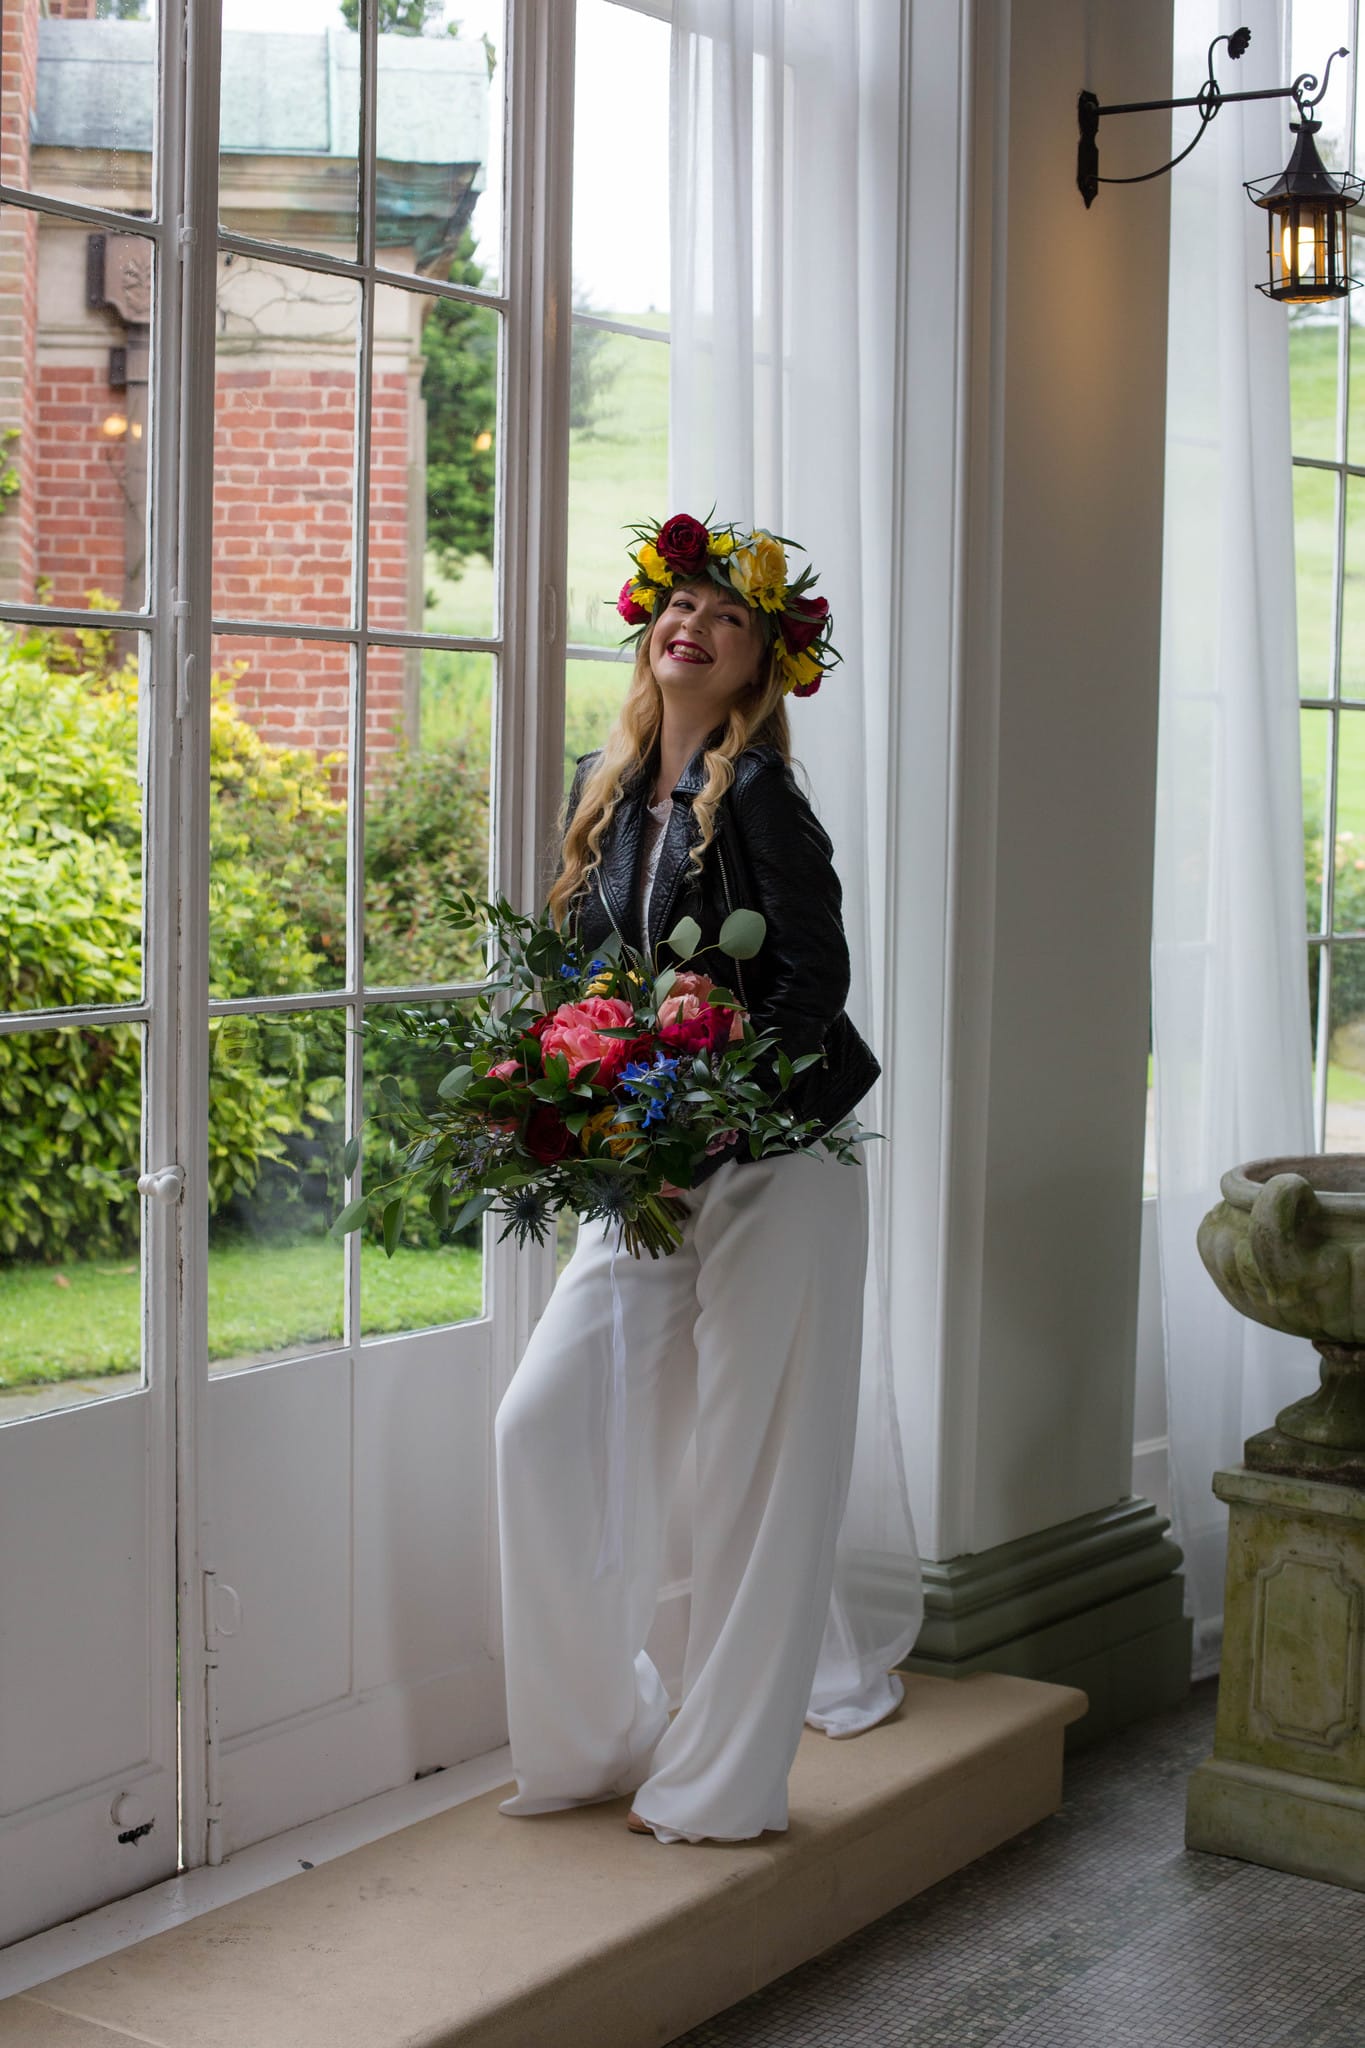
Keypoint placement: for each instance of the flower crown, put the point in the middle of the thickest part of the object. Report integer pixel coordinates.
(753, 564)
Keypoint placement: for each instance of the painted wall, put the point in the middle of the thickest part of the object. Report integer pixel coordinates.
(1039, 578)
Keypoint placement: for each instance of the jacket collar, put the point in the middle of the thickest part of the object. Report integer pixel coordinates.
(621, 853)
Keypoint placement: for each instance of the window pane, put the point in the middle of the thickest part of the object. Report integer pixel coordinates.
(1345, 1130)
(277, 818)
(72, 769)
(289, 128)
(439, 127)
(430, 718)
(1348, 913)
(1315, 734)
(433, 464)
(276, 1131)
(1313, 344)
(1315, 548)
(75, 445)
(618, 469)
(436, 1275)
(1353, 593)
(593, 694)
(78, 104)
(70, 1216)
(621, 63)
(284, 453)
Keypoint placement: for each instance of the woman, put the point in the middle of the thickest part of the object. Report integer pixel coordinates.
(749, 1335)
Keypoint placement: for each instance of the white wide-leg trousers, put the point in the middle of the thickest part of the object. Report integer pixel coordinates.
(749, 1334)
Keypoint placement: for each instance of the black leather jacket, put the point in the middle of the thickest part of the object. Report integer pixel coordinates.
(771, 854)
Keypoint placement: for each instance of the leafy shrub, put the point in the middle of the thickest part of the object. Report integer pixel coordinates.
(426, 837)
(1348, 961)
(70, 873)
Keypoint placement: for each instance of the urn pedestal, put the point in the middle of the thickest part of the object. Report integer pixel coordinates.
(1285, 1785)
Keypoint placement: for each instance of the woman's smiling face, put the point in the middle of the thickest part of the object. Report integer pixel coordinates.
(705, 642)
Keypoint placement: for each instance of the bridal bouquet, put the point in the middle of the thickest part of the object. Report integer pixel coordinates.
(593, 1085)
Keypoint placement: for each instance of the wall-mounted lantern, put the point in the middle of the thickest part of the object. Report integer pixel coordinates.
(1305, 204)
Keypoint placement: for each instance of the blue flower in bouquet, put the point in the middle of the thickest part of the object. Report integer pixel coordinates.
(653, 1081)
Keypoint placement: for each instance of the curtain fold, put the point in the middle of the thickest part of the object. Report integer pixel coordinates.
(783, 175)
(1232, 1058)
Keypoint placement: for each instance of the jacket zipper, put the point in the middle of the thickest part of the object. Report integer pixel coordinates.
(729, 906)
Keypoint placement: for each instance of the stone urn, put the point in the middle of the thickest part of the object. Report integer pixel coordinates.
(1286, 1246)
(1285, 1785)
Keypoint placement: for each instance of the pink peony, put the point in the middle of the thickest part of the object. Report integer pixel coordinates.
(575, 1032)
(632, 612)
(691, 1024)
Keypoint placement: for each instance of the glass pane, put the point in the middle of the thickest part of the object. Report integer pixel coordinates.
(435, 1276)
(276, 1131)
(284, 448)
(593, 694)
(71, 817)
(1313, 346)
(433, 464)
(70, 1216)
(439, 130)
(1348, 912)
(277, 817)
(1315, 735)
(1315, 549)
(75, 446)
(1355, 440)
(289, 126)
(1353, 593)
(429, 718)
(618, 468)
(1345, 1131)
(621, 64)
(79, 98)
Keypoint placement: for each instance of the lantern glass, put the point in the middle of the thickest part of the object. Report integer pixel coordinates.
(1305, 251)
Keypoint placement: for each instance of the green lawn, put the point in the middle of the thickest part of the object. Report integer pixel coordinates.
(80, 1319)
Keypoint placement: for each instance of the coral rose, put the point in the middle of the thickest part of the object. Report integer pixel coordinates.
(504, 1070)
(575, 1032)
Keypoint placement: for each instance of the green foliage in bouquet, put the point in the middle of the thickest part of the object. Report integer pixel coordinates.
(598, 1086)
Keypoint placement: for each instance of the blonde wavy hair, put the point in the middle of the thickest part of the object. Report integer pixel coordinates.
(757, 716)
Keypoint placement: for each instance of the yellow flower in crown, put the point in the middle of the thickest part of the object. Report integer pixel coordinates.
(759, 571)
(653, 565)
(721, 543)
(799, 671)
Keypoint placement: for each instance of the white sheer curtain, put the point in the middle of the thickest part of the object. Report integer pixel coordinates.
(1229, 963)
(783, 179)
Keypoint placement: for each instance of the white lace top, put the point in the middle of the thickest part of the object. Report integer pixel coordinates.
(651, 840)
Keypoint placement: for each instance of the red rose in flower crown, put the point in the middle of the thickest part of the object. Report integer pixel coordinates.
(804, 622)
(683, 542)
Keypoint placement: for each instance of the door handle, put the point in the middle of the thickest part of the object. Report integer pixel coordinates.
(164, 1185)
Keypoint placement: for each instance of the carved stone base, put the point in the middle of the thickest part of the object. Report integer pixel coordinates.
(1286, 1783)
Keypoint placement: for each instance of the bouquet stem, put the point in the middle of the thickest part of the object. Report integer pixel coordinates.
(656, 1228)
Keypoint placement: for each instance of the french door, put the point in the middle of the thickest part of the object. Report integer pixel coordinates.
(291, 408)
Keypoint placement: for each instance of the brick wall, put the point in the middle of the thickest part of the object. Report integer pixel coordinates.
(18, 295)
(78, 474)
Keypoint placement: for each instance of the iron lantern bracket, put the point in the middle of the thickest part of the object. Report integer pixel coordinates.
(1209, 98)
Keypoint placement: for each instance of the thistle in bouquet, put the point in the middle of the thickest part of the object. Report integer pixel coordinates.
(597, 1084)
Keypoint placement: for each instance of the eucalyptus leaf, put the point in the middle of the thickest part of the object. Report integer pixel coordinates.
(350, 1157)
(394, 1212)
(742, 934)
(475, 1207)
(452, 1085)
(440, 1205)
(351, 1217)
(664, 984)
(685, 937)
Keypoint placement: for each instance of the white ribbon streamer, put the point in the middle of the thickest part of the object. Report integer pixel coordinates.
(610, 1546)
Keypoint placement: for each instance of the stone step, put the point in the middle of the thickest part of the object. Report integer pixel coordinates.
(473, 1930)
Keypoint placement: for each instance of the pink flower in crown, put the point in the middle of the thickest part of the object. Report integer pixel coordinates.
(631, 611)
(575, 1032)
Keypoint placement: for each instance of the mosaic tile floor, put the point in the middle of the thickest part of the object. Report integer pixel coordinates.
(1097, 1929)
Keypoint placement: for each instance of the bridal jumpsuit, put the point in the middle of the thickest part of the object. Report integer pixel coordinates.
(749, 1336)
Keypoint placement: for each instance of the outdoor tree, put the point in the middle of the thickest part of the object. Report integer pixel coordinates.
(460, 386)
(400, 17)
